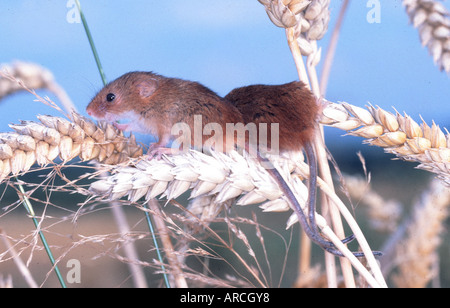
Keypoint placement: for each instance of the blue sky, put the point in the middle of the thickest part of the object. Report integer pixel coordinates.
(222, 44)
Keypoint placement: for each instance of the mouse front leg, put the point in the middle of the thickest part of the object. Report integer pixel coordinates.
(158, 149)
(122, 127)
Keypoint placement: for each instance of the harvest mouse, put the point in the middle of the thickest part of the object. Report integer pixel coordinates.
(154, 104)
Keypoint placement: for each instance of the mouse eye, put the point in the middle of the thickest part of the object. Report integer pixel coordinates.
(110, 97)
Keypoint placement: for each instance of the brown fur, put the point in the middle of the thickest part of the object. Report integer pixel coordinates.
(291, 105)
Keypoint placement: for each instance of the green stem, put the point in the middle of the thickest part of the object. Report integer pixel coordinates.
(28, 206)
(158, 252)
(91, 42)
(102, 75)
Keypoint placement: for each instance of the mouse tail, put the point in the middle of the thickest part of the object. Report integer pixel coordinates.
(312, 186)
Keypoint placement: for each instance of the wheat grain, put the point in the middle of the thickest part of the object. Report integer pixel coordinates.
(397, 134)
(431, 19)
(308, 18)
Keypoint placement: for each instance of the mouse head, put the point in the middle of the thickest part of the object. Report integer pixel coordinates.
(127, 95)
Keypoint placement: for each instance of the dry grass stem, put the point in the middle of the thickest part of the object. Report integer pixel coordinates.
(18, 261)
(371, 261)
(180, 281)
(6, 283)
(331, 51)
(431, 19)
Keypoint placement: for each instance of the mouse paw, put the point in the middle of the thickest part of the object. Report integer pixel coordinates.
(122, 127)
(156, 151)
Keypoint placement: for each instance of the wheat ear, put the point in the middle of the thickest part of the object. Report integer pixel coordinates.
(397, 134)
(53, 137)
(22, 76)
(431, 19)
(417, 255)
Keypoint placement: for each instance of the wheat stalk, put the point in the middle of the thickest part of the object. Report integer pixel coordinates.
(397, 134)
(431, 19)
(305, 23)
(303, 42)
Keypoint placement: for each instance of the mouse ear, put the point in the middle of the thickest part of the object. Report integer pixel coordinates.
(147, 87)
